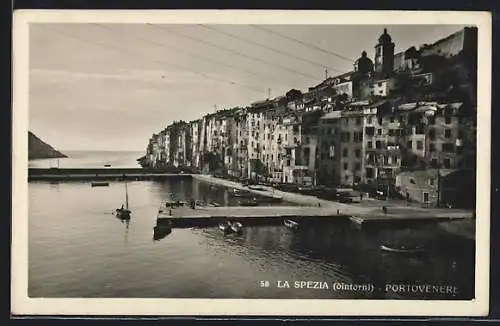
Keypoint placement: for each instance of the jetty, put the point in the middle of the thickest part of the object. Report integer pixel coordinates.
(80, 174)
(202, 216)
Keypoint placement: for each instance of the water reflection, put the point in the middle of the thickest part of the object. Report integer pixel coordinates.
(85, 255)
(161, 229)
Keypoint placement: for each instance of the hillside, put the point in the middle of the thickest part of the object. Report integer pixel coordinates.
(39, 149)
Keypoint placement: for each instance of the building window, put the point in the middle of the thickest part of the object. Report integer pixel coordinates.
(370, 144)
(409, 144)
(370, 131)
(392, 132)
(448, 147)
(369, 119)
(345, 152)
(447, 163)
(447, 120)
(357, 167)
(432, 134)
(379, 132)
(447, 133)
(434, 163)
(420, 144)
(379, 120)
(346, 166)
(432, 147)
(378, 144)
(358, 136)
(358, 153)
(432, 181)
(369, 173)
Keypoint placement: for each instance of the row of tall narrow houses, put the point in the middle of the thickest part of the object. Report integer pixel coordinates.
(403, 122)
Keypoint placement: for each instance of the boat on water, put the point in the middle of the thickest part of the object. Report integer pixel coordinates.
(403, 249)
(291, 224)
(257, 187)
(124, 211)
(107, 165)
(99, 184)
(231, 227)
(237, 227)
(225, 227)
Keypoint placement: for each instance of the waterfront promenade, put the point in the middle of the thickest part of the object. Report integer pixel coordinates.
(368, 208)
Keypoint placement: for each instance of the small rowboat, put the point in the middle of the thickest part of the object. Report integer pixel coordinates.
(402, 249)
(225, 227)
(291, 224)
(236, 227)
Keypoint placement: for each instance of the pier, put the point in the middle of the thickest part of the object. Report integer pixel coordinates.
(67, 174)
(274, 215)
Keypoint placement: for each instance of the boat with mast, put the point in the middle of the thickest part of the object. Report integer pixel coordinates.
(124, 211)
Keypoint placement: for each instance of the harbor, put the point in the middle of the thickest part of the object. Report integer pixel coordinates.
(182, 179)
(307, 207)
(176, 256)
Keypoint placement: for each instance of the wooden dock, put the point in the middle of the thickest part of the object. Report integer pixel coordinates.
(272, 215)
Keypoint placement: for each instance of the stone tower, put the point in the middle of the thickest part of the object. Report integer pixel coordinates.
(384, 55)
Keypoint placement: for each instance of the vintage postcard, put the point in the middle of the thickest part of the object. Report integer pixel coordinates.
(251, 163)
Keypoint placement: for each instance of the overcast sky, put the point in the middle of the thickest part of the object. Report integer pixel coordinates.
(110, 86)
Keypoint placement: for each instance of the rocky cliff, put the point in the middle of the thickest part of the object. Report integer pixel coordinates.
(39, 149)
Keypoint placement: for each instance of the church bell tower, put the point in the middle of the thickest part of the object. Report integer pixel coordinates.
(384, 55)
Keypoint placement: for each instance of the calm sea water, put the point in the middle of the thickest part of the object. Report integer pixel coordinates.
(91, 159)
(77, 248)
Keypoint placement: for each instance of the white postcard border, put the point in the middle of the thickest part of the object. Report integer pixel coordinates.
(22, 304)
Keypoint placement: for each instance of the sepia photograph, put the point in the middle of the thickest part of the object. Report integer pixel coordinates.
(236, 159)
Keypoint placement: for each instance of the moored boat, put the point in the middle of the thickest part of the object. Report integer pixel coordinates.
(402, 249)
(225, 227)
(237, 227)
(257, 187)
(99, 184)
(123, 212)
(291, 224)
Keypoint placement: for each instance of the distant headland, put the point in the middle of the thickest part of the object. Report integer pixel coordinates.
(39, 149)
